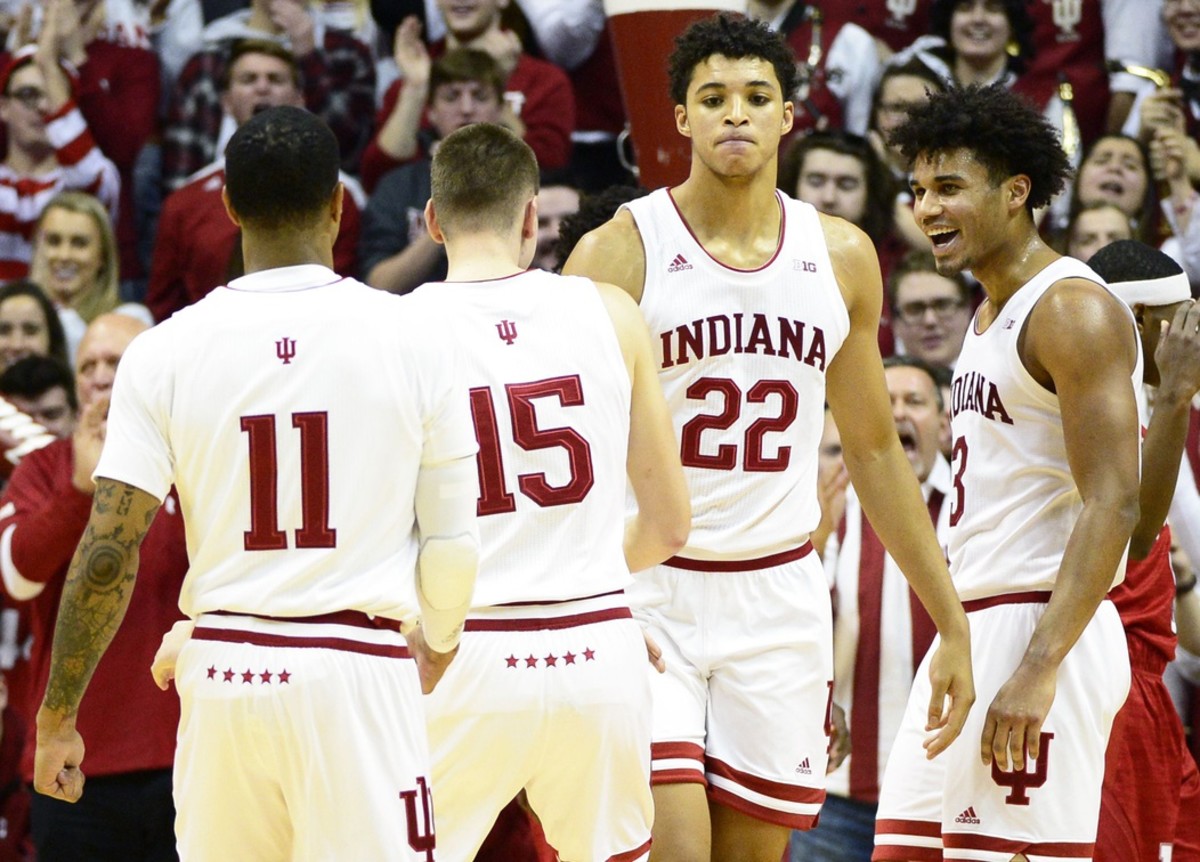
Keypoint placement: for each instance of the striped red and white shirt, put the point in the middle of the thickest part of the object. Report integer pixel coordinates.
(81, 167)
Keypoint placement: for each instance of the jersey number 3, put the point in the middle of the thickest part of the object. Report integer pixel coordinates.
(494, 496)
(264, 533)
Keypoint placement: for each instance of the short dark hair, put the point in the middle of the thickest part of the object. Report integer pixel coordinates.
(594, 210)
(1006, 134)
(913, 68)
(879, 215)
(1130, 260)
(466, 65)
(34, 376)
(733, 36)
(281, 166)
(54, 327)
(242, 47)
(481, 174)
(935, 374)
(1020, 23)
(919, 260)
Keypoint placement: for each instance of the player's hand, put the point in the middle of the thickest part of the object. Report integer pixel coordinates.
(431, 665)
(503, 45)
(163, 667)
(953, 692)
(1013, 727)
(56, 771)
(1178, 355)
(654, 653)
(839, 738)
(1161, 109)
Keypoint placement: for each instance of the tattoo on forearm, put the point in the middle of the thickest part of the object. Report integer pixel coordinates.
(98, 588)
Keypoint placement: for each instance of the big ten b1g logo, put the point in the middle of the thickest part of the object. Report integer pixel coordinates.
(420, 835)
(1021, 781)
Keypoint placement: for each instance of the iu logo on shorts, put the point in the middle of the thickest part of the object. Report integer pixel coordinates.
(1022, 780)
(420, 836)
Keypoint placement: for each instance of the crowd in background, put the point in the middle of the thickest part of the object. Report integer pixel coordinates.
(114, 115)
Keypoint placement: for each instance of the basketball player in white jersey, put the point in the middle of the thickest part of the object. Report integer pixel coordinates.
(758, 308)
(548, 692)
(1045, 493)
(324, 459)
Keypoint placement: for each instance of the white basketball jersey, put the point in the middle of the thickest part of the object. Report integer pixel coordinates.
(293, 410)
(550, 396)
(1014, 502)
(743, 355)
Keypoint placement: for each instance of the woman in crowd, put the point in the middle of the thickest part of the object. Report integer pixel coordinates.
(29, 325)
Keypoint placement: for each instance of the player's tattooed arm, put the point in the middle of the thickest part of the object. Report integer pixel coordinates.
(98, 588)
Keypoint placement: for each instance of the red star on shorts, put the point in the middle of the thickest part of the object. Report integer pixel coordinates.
(266, 676)
(228, 674)
(284, 676)
(551, 660)
(248, 676)
(570, 658)
(589, 654)
(511, 661)
(531, 662)
(212, 673)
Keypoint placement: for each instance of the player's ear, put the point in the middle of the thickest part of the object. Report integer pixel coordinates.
(681, 121)
(789, 116)
(336, 203)
(431, 223)
(529, 219)
(1019, 187)
(233, 216)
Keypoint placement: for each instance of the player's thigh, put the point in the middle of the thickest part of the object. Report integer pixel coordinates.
(908, 825)
(770, 695)
(1056, 799)
(682, 828)
(591, 788)
(357, 781)
(485, 721)
(740, 837)
(227, 798)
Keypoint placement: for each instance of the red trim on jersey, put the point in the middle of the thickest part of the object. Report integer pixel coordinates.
(358, 619)
(778, 246)
(907, 852)
(547, 623)
(557, 601)
(290, 641)
(761, 812)
(632, 855)
(1029, 597)
(679, 774)
(741, 565)
(1058, 849)
(675, 750)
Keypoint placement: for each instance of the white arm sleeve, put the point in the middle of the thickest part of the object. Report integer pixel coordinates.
(449, 555)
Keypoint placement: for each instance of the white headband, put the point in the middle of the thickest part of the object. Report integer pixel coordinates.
(1153, 291)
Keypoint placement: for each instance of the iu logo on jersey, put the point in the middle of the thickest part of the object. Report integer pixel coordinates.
(420, 835)
(285, 349)
(508, 331)
(1020, 781)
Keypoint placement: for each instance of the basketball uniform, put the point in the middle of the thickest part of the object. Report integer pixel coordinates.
(1014, 504)
(742, 613)
(294, 411)
(548, 692)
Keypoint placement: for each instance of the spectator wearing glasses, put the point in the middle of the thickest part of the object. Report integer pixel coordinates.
(930, 311)
(49, 146)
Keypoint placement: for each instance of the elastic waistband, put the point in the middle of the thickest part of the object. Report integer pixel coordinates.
(551, 615)
(346, 631)
(741, 565)
(1030, 597)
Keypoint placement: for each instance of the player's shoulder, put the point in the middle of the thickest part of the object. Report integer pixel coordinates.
(612, 253)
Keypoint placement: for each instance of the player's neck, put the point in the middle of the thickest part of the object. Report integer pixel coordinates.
(260, 256)
(482, 257)
(721, 209)
(1012, 266)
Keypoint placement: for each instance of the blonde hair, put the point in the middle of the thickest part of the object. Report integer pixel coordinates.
(104, 295)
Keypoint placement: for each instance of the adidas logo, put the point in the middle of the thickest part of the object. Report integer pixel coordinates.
(968, 816)
(679, 264)
(804, 768)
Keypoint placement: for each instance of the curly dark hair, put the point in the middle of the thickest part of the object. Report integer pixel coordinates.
(1005, 133)
(1019, 20)
(733, 36)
